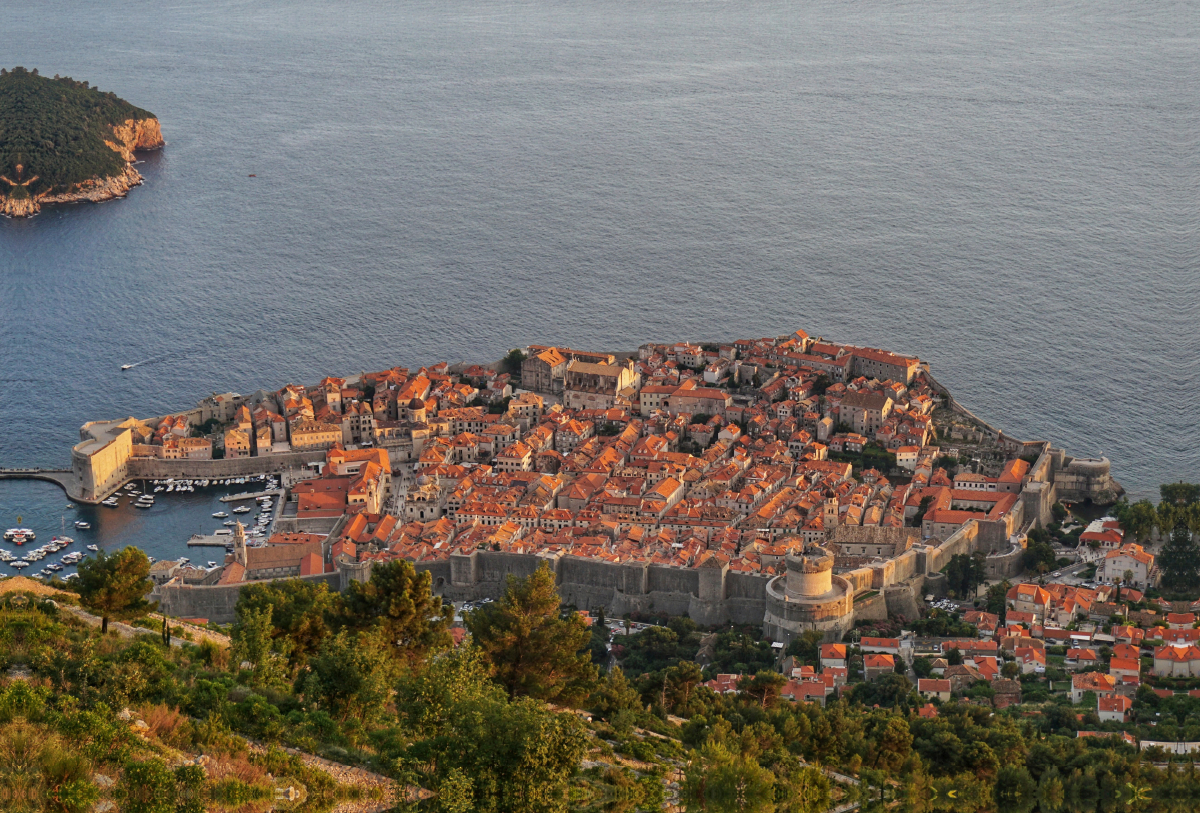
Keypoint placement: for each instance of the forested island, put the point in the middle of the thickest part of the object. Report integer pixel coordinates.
(63, 141)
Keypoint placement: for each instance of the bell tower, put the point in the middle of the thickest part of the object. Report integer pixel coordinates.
(239, 544)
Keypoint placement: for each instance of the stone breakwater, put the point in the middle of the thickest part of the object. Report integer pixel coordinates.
(134, 134)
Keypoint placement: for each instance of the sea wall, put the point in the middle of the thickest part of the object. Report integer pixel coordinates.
(157, 469)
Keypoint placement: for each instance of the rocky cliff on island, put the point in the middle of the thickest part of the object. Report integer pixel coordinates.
(62, 141)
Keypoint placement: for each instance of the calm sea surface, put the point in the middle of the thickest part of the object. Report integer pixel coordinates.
(1008, 190)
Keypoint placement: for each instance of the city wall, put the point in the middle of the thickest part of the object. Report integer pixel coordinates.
(154, 468)
(217, 602)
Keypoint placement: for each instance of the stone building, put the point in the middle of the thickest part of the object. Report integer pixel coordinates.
(596, 386)
(865, 412)
(883, 365)
(544, 371)
(284, 555)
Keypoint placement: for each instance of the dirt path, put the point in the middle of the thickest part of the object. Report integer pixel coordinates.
(127, 631)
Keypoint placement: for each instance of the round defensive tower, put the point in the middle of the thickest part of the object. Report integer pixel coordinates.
(809, 573)
(808, 596)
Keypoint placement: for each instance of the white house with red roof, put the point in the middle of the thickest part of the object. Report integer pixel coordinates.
(1128, 559)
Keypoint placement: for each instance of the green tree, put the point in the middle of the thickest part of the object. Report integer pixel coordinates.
(961, 574)
(613, 695)
(1180, 494)
(352, 675)
(807, 646)
(299, 611)
(513, 361)
(680, 684)
(763, 688)
(1138, 520)
(1179, 561)
(485, 752)
(399, 602)
(1015, 791)
(116, 585)
(532, 649)
(252, 642)
(724, 779)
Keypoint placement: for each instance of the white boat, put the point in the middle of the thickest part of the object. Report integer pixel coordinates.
(157, 489)
(170, 486)
(220, 515)
(241, 509)
(143, 505)
(18, 564)
(230, 522)
(81, 525)
(211, 564)
(93, 548)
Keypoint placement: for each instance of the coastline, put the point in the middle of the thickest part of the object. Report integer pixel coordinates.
(134, 134)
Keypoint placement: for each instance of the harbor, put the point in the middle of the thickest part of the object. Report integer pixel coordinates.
(163, 527)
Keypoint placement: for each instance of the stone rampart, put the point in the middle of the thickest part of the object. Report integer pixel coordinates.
(1005, 565)
(157, 469)
(902, 600)
(963, 541)
(216, 602)
(871, 607)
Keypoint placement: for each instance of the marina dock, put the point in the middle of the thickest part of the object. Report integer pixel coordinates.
(205, 541)
(252, 495)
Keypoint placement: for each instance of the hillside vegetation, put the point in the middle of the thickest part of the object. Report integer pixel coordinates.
(516, 718)
(56, 130)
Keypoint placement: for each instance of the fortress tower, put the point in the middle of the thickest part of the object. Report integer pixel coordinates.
(808, 596)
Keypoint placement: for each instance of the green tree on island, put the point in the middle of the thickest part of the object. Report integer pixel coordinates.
(115, 585)
(532, 649)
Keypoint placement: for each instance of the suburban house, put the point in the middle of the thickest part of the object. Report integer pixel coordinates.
(934, 688)
(1103, 685)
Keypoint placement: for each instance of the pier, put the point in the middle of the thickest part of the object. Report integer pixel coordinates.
(205, 541)
(64, 478)
(252, 495)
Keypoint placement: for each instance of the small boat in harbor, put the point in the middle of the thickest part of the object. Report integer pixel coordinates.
(220, 515)
(93, 548)
(81, 525)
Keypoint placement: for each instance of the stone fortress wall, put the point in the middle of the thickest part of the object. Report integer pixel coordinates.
(708, 595)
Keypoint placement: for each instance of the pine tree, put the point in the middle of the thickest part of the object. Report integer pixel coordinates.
(1180, 562)
(533, 651)
(115, 586)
